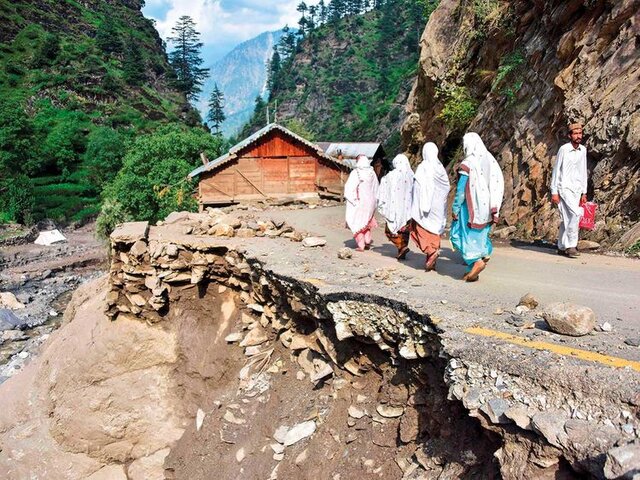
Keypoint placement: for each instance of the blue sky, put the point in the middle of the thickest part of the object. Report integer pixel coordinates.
(223, 24)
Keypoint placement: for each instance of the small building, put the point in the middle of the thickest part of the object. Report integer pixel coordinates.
(347, 152)
(272, 163)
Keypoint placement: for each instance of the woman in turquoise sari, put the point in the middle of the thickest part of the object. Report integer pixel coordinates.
(476, 206)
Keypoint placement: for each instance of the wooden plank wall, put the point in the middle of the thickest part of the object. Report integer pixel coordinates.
(330, 177)
(275, 144)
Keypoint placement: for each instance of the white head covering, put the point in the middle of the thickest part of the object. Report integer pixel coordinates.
(394, 196)
(361, 192)
(485, 187)
(430, 191)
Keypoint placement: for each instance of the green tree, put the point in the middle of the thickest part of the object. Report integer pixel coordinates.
(152, 182)
(322, 12)
(273, 71)
(104, 154)
(16, 131)
(133, 68)
(287, 43)
(216, 116)
(303, 22)
(108, 38)
(185, 57)
(62, 140)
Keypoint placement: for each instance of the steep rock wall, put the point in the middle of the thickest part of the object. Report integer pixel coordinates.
(525, 69)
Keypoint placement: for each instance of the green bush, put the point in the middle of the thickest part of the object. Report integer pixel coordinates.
(48, 51)
(16, 199)
(63, 139)
(459, 108)
(508, 65)
(634, 249)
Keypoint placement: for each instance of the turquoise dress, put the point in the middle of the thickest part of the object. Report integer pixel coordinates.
(472, 243)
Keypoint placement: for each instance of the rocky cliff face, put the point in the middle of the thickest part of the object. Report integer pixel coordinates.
(517, 72)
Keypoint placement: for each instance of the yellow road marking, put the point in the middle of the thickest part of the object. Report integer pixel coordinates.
(559, 349)
(315, 281)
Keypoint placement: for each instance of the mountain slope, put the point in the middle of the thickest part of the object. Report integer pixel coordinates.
(350, 78)
(241, 75)
(77, 80)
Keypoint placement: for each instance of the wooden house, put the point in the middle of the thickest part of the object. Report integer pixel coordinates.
(347, 152)
(272, 163)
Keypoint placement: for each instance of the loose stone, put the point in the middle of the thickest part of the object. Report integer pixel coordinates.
(389, 411)
(298, 432)
(570, 319)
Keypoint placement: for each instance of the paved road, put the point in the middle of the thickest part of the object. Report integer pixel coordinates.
(609, 285)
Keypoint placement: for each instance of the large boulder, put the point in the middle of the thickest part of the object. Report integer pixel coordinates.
(623, 462)
(570, 319)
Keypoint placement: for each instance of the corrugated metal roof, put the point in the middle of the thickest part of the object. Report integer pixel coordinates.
(209, 166)
(351, 149)
(233, 151)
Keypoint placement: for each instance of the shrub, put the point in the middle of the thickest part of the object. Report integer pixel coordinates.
(111, 214)
(48, 51)
(16, 199)
(508, 65)
(459, 108)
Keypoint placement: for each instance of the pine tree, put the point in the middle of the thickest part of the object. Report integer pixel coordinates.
(322, 12)
(273, 71)
(185, 58)
(336, 10)
(312, 19)
(302, 23)
(108, 38)
(133, 68)
(216, 114)
(287, 44)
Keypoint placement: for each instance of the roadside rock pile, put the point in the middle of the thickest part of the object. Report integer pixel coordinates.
(216, 222)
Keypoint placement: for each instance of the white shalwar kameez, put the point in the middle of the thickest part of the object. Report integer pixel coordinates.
(394, 195)
(430, 192)
(569, 180)
(361, 194)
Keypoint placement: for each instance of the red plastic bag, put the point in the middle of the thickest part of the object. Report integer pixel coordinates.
(588, 218)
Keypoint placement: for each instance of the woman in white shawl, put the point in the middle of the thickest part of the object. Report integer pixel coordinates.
(361, 193)
(429, 206)
(394, 203)
(477, 205)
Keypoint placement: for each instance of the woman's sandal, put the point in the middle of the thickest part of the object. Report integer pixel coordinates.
(431, 261)
(402, 254)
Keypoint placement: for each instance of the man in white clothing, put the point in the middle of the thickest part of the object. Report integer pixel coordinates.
(569, 189)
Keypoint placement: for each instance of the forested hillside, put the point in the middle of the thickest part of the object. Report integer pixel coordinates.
(346, 75)
(79, 81)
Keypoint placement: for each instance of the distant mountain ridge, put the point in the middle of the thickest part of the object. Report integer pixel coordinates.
(241, 75)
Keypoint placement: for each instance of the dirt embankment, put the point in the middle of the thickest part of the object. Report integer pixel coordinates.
(337, 385)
